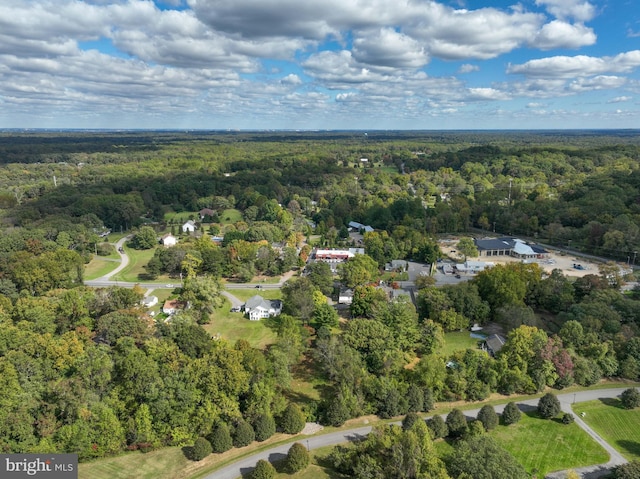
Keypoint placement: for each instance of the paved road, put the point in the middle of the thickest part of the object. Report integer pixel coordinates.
(245, 465)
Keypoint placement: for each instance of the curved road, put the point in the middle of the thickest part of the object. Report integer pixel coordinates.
(245, 465)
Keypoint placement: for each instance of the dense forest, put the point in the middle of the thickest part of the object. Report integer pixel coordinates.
(88, 371)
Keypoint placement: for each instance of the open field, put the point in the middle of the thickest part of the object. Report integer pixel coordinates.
(100, 265)
(137, 261)
(543, 446)
(618, 426)
(165, 463)
(234, 326)
(456, 341)
(230, 216)
(244, 294)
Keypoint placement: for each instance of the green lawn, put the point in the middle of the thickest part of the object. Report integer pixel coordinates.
(165, 463)
(137, 261)
(315, 469)
(244, 294)
(230, 216)
(543, 446)
(234, 326)
(619, 427)
(456, 341)
(99, 266)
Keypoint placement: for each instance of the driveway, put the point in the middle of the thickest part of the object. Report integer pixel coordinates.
(245, 465)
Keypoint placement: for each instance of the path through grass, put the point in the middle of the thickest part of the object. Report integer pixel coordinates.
(544, 446)
(618, 426)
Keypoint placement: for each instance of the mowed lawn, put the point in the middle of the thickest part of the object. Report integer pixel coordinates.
(457, 341)
(138, 259)
(166, 463)
(618, 426)
(544, 446)
(315, 469)
(99, 266)
(234, 326)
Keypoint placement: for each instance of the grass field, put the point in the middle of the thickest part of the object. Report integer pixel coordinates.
(244, 294)
(543, 446)
(137, 260)
(166, 463)
(618, 426)
(234, 326)
(230, 216)
(99, 266)
(456, 341)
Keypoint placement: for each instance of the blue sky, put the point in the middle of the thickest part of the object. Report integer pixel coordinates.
(319, 64)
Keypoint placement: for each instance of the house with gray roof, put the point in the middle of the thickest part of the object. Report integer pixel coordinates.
(493, 344)
(258, 308)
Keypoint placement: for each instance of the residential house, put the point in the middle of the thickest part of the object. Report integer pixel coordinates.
(258, 308)
(172, 306)
(345, 296)
(204, 212)
(149, 301)
(474, 266)
(355, 226)
(189, 227)
(493, 344)
(398, 265)
(168, 240)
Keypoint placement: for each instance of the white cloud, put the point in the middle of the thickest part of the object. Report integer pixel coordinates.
(468, 68)
(579, 10)
(480, 94)
(580, 65)
(620, 99)
(387, 48)
(560, 34)
(600, 82)
(291, 79)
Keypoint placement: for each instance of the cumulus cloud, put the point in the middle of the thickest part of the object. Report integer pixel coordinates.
(580, 65)
(481, 94)
(579, 10)
(560, 34)
(468, 68)
(387, 48)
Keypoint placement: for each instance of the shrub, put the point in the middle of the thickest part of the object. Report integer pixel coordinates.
(548, 406)
(438, 427)
(264, 470)
(488, 417)
(220, 438)
(567, 418)
(292, 420)
(264, 427)
(511, 414)
(630, 398)
(243, 434)
(201, 449)
(630, 470)
(409, 420)
(475, 428)
(297, 458)
(456, 423)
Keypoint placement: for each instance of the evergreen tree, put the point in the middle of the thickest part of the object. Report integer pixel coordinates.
(415, 399)
(488, 417)
(243, 434)
(511, 414)
(548, 406)
(456, 423)
(630, 398)
(297, 458)
(264, 470)
(201, 449)
(264, 427)
(438, 427)
(292, 420)
(220, 438)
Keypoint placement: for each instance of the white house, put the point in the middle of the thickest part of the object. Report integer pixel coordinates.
(474, 266)
(258, 308)
(189, 227)
(168, 240)
(345, 296)
(149, 301)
